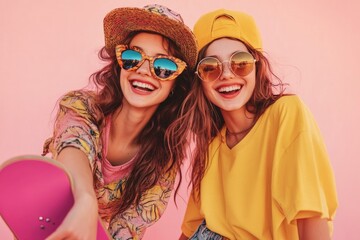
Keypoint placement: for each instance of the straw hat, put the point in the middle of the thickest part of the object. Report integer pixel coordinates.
(154, 18)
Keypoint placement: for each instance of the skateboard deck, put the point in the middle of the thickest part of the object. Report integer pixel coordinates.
(36, 195)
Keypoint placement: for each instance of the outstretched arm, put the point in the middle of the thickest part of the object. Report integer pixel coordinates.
(313, 229)
(183, 237)
(81, 221)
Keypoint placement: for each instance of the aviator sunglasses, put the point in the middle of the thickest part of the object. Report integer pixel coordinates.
(162, 67)
(240, 63)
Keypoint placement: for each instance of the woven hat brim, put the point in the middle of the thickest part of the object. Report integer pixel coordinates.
(120, 22)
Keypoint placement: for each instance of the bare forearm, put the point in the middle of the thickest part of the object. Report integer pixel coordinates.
(80, 222)
(313, 229)
(78, 166)
(183, 237)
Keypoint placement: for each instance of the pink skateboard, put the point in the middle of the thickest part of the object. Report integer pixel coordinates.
(36, 194)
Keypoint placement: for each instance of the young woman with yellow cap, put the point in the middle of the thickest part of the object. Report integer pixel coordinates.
(266, 173)
(124, 142)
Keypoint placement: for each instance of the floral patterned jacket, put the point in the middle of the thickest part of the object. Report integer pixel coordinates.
(77, 125)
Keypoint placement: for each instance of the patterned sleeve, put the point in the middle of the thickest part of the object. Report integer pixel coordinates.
(134, 221)
(76, 125)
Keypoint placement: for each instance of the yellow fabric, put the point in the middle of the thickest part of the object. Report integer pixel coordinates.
(278, 173)
(226, 23)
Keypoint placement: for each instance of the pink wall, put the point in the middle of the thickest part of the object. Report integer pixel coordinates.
(50, 47)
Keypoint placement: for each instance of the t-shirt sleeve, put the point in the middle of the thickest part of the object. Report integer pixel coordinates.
(154, 202)
(303, 181)
(76, 125)
(192, 218)
(135, 220)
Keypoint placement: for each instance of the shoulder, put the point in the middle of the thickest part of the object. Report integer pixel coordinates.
(82, 102)
(289, 106)
(290, 112)
(289, 102)
(78, 98)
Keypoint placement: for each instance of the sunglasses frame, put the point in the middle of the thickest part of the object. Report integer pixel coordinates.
(181, 65)
(221, 66)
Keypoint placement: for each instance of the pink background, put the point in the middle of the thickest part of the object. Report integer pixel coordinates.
(50, 47)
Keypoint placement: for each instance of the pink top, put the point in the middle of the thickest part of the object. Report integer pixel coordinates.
(78, 124)
(112, 173)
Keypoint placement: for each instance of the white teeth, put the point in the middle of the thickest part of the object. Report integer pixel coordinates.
(229, 88)
(143, 85)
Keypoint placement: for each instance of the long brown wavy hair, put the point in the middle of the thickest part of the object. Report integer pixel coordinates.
(156, 155)
(207, 120)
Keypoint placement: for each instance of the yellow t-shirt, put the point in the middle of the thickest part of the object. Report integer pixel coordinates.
(278, 173)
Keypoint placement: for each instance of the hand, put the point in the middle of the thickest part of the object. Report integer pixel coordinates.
(313, 229)
(80, 223)
(183, 237)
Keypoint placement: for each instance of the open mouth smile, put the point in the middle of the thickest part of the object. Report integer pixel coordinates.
(229, 90)
(142, 86)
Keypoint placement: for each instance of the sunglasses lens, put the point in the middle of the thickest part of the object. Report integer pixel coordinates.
(209, 69)
(164, 67)
(130, 59)
(242, 63)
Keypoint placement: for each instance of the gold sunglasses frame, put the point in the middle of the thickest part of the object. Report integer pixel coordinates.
(181, 65)
(221, 65)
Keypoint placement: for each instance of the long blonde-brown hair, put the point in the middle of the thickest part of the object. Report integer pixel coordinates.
(207, 119)
(162, 145)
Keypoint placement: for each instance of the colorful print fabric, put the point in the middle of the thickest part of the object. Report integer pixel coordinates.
(79, 123)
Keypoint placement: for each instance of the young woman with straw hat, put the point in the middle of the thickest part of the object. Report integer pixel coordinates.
(124, 142)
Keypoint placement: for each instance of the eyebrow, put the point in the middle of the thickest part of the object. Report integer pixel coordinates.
(216, 56)
(157, 54)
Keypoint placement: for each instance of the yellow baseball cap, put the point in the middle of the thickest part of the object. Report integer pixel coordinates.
(226, 23)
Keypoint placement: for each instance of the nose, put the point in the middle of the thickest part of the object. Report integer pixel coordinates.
(144, 68)
(226, 71)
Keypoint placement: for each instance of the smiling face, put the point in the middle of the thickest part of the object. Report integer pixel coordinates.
(139, 87)
(229, 92)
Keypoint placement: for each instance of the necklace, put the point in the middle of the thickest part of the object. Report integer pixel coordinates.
(236, 133)
(228, 133)
(232, 138)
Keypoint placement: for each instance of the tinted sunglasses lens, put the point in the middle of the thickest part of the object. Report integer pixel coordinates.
(209, 69)
(242, 63)
(164, 68)
(130, 59)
